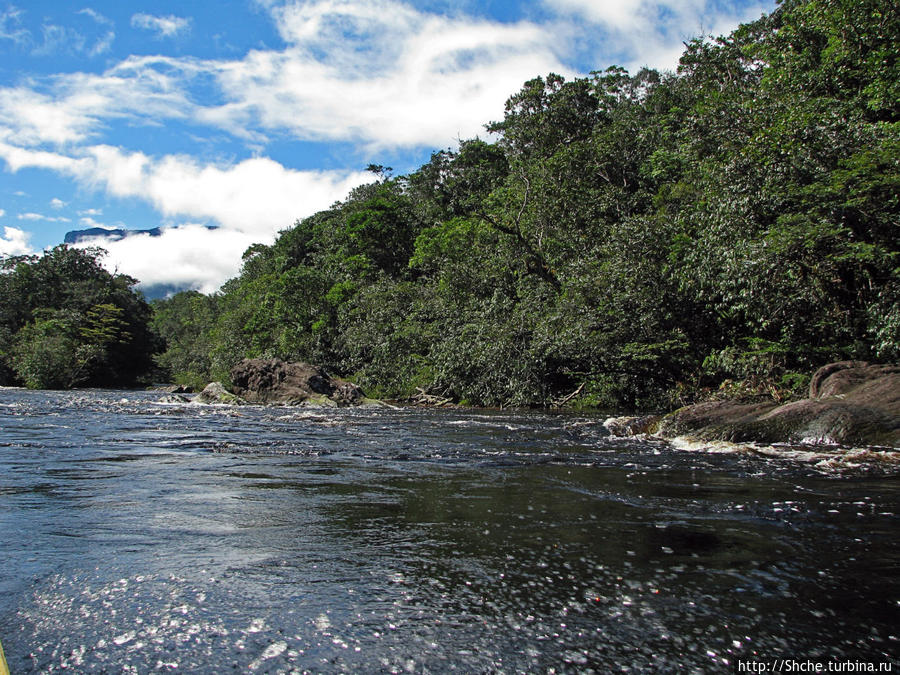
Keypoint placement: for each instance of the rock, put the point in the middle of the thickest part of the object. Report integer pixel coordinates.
(850, 403)
(175, 389)
(215, 392)
(174, 398)
(632, 426)
(865, 383)
(276, 381)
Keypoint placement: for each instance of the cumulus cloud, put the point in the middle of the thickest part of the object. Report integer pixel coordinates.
(258, 196)
(255, 195)
(14, 242)
(190, 256)
(57, 203)
(163, 26)
(250, 201)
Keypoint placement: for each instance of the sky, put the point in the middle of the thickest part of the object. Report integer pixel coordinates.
(225, 121)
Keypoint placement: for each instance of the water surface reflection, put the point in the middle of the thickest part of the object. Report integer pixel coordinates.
(141, 537)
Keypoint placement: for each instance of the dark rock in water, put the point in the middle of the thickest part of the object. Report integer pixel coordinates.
(850, 403)
(632, 426)
(175, 389)
(276, 381)
(215, 392)
(174, 398)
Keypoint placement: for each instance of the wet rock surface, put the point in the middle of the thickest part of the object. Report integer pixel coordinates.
(850, 403)
(278, 382)
(215, 392)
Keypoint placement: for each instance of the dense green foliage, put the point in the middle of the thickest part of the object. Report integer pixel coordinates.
(65, 321)
(634, 238)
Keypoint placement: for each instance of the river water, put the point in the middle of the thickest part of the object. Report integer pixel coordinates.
(138, 537)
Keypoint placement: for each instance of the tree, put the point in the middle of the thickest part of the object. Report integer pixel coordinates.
(636, 238)
(66, 321)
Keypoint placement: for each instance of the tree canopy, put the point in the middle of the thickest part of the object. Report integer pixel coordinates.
(65, 321)
(636, 238)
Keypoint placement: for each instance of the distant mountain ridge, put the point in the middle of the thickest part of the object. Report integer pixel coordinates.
(78, 236)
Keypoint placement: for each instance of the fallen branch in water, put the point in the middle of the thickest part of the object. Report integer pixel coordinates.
(565, 399)
(424, 398)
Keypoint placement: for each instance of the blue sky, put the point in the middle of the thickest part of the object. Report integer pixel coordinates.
(249, 114)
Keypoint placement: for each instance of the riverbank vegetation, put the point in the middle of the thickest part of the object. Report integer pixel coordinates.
(67, 322)
(621, 240)
(635, 238)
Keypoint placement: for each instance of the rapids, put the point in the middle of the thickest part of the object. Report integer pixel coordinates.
(139, 537)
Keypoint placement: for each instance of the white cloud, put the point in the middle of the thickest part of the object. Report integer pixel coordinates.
(39, 216)
(377, 71)
(257, 195)
(251, 201)
(190, 255)
(96, 16)
(14, 242)
(57, 203)
(76, 106)
(91, 212)
(2, 213)
(29, 118)
(104, 42)
(163, 26)
(617, 14)
(11, 26)
(18, 158)
(382, 73)
(87, 222)
(650, 32)
(59, 39)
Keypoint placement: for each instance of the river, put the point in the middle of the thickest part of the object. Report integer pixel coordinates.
(140, 537)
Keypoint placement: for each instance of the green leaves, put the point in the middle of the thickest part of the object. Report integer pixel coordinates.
(634, 238)
(69, 322)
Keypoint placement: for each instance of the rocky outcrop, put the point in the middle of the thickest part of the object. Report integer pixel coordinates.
(631, 426)
(278, 382)
(175, 389)
(850, 403)
(174, 399)
(215, 392)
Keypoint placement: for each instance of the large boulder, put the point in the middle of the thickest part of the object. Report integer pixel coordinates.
(215, 392)
(850, 403)
(276, 381)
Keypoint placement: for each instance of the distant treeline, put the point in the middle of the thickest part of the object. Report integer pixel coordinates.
(633, 239)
